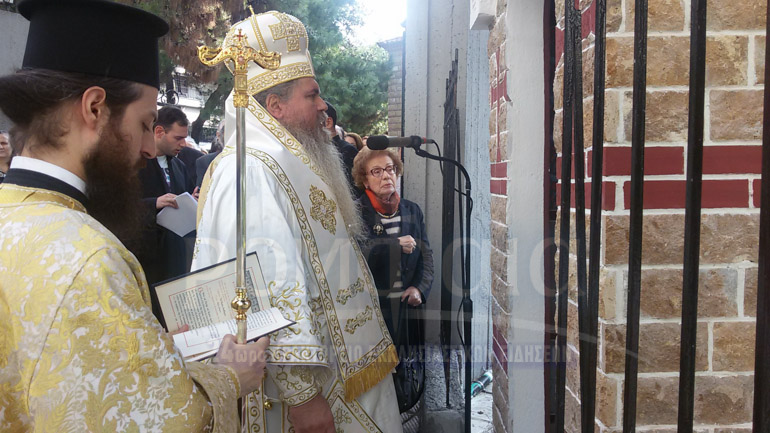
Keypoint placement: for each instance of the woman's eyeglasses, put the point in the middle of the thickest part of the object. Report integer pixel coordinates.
(377, 171)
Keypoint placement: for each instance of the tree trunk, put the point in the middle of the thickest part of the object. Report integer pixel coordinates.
(214, 101)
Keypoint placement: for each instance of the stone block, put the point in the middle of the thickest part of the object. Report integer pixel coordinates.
(493, 121)
(759, 58)
(573, 370)
(559, 10)
(727, 238)
(499, 209)
(502, 118)
(736, 15)
(588, 72)
(606, 399)
(661, 294)
(658, 347)
(657, 400)
(573, 332)
(504, 146)
(736, 114)
(493, 144)
(496, 37)
(662, 15)
(611, 116)
(750, 293)
(667, 61)
(727, 60)
(607, 294)
(667, 113)
(723, 400)
(571, 414)
(734, 346)
(614, 15)
(499, 236)
(558, 87)
(501, 291)
(501, 319)
(732, 430)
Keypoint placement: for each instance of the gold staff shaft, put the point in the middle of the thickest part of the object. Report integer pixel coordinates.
(238, 52)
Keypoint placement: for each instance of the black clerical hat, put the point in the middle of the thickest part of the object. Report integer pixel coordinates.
(93, 37)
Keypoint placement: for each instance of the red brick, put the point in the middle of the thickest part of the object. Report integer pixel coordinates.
(558, 41)
(732, 159)
(608, 195)
(558, 168)
(757, 192)
(670, 194)
(588, 25)
(499, 187)
(499, 170)
(657, 160)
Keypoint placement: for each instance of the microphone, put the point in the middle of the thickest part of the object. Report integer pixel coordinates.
(382, 142)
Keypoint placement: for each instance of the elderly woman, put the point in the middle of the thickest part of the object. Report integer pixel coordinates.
(398, 255)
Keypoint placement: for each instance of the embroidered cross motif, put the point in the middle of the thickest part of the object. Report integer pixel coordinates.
(345, 294)
(323, 209)
(290, 30)
(361, 318)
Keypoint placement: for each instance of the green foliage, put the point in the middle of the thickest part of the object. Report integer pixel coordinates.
(355, 80)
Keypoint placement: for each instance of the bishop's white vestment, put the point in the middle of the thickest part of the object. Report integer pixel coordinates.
(315, 274)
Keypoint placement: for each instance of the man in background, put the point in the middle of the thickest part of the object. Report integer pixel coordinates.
(5, 154)
(347, 152)
(162, 253)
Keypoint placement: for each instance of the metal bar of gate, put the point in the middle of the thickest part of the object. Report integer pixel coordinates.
(564, 224)
(762, 350)
(588, 351)
(692, 216)
(635, 236)
(575, 24)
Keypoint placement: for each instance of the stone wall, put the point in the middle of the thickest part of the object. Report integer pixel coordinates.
(499, 253)
(730, 221)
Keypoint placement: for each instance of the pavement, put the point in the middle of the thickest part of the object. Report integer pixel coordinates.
(481, 411)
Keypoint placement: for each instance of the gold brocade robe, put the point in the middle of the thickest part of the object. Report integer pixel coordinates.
(79, 347)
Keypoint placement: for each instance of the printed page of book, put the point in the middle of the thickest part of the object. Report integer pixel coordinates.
(202, 298)
(203, 342)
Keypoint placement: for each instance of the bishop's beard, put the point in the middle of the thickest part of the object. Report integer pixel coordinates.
(316, 141)
(113, 188)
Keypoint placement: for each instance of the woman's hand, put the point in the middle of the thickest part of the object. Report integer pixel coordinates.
(412, 296)
(248, 361)
(407, 244)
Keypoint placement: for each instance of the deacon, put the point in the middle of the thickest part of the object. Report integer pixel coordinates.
(79, 347)
(331, 371)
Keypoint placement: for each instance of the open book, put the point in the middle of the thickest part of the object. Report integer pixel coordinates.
(202, 298)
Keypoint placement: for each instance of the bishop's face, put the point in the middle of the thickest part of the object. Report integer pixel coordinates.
(304, 108)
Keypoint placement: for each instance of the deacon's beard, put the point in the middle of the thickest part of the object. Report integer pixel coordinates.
(113, 187)
(316, 140)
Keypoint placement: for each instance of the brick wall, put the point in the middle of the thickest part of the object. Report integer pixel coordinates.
(498, 157)
(730, 222)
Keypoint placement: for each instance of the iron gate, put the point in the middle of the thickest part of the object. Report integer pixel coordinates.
(588, 264)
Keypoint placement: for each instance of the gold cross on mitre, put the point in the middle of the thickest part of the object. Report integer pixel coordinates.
(240, 53)
(289, 30)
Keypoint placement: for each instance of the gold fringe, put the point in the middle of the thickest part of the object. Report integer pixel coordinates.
(371, 375)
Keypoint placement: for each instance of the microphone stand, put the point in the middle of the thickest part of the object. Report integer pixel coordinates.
(466, 302)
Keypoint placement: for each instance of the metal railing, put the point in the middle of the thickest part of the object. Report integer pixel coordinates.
(588, 282)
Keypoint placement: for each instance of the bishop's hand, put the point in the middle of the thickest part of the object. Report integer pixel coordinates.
(315, 416)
